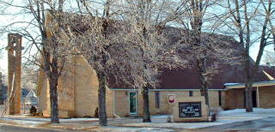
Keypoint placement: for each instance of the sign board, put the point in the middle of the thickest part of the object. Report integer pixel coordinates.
(171, 98)
(189, 109)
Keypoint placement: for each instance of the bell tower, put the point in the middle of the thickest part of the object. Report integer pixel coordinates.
(14, 72)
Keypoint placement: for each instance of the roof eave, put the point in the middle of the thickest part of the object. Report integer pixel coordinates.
(255, 84)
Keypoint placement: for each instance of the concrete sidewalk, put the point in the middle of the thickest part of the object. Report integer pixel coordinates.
(159, 123)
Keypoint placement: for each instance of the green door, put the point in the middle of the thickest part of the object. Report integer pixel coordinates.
(133, 103)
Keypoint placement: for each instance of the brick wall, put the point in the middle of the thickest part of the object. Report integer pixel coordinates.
(122, 106)
(234, 98)
(266, 97)
(121, 101)
(86, 87)
(77, 91)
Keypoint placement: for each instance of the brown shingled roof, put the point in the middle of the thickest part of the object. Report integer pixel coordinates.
(188, 78)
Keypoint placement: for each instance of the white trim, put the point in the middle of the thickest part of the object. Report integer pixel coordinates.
(268, 75)
(123, 89)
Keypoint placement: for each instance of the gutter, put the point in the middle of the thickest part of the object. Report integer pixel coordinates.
(255, 84)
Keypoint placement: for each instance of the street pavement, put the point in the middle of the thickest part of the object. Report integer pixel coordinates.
(11, 128)
(266, 124)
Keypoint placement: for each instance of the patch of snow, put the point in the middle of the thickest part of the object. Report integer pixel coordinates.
(259, 112)
(78, 119)
(231, 84)
(160, 116)
(135, 129)
(24, 122)
(159, 122)
(224, 117)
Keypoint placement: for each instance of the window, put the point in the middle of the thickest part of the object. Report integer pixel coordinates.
(133, 103)
(190, 93)
(157, 100)
(220, 98)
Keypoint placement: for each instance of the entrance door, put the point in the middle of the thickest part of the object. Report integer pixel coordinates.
(254, 98)
(133, 103)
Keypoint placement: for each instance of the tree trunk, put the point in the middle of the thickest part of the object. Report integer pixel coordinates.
(203, 82)
(146, 108)
(51, 70)
(54, 99)
(248, 83)
(206, 96)
(249, 75)
(196, 24)
(248, 98)
(101, 100)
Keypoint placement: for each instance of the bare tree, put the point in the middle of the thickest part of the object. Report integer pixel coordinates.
(243, 20)
(38, 30)
(269, 58)
(29, 77)
(94, 44)
(147, 20)
(115, 37)
(193, 22)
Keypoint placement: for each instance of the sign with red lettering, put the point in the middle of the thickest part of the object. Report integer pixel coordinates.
(171, 98)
